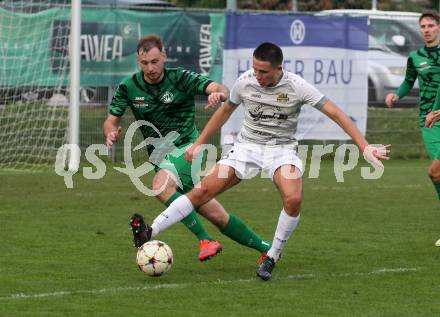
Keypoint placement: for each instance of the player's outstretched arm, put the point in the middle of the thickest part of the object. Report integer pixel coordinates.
(371, 153)
(112, 130)
(218, 119)
(217, 93)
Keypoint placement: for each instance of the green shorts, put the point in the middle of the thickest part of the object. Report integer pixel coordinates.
(431, 138)
(188, 173)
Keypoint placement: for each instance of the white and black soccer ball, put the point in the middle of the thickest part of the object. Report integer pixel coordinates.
(154, 258)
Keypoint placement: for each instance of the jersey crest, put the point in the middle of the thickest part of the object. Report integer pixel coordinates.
(283, 97)
(167, 97)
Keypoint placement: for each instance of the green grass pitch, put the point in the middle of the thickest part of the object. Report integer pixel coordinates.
(362, 248)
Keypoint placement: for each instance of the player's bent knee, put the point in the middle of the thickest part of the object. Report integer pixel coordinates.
(199, 195)
(292, 203)
(162, 193)
(163, 185)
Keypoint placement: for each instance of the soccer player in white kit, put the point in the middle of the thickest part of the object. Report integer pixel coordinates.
(272, 99)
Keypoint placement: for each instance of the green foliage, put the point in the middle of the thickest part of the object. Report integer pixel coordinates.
(312, 5)
(405, 5)
(217, 4)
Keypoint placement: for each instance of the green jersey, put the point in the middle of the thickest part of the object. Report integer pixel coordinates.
(424, 65)
(168, 105)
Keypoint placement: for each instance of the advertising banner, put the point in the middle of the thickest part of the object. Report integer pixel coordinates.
(37, 56)
(328, 52)
(192, 41)
(26, 58)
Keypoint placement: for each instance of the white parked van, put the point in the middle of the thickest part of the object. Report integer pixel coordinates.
(392, 35)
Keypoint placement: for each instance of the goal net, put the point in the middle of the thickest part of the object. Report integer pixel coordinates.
(34, 81)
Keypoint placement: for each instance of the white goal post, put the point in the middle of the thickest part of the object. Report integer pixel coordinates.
(75, 64)
(39, 72)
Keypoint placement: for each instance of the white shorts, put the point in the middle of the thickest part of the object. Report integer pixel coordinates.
(249, 159)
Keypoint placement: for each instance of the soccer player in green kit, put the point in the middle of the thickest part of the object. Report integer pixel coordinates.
(424, 65)
(164, 97)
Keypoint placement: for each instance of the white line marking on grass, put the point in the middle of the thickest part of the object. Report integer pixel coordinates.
(92, 291)
(113, 290)
(350, 188)
(396, 270)
(379, 271)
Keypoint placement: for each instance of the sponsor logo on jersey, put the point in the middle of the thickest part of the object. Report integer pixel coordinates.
(260, 115)
(167, 97)
(140, 105)
(283, 98)
(256, 95)
(139, 102)
(260, 112)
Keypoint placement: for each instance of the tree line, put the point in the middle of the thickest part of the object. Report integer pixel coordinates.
(314, 5)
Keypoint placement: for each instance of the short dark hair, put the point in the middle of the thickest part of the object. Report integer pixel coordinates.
(148, 42)
(269, 52)
(430, 15)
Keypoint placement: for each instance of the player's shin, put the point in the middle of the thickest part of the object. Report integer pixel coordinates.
(286, 225)
(179, 209)
(238, 231)
(192, 221)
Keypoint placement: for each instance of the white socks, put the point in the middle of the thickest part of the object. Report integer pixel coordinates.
(179, 209)
(286, 225)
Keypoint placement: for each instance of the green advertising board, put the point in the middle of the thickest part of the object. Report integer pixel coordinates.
(109, 39)
(26, 55)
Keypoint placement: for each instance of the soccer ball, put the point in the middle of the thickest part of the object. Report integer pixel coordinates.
(154, 258)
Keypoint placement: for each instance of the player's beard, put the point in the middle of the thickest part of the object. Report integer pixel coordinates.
(153, 77)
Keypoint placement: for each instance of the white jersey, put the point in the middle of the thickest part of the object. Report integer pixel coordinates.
(271, 113)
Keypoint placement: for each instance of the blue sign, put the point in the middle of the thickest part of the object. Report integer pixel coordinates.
(250, 30)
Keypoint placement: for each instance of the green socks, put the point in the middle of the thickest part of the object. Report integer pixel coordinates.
(437, 188)
(238, 231)
(192, 221)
